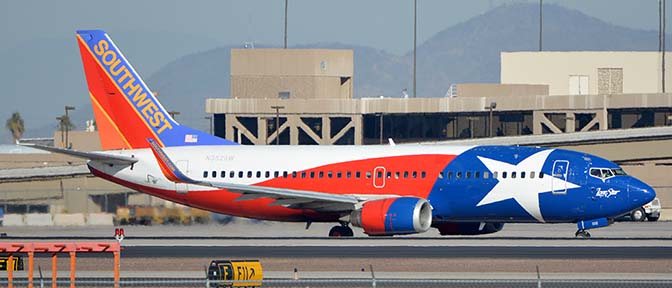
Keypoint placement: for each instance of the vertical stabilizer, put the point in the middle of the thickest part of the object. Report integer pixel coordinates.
(126, 111)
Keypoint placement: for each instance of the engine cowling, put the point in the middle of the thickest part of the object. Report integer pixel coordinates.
(393, 216)
(468, 228)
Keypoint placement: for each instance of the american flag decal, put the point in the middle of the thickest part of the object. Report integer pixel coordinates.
(190, 138)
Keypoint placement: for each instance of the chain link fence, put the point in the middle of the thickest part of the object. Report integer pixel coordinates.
(326, 283)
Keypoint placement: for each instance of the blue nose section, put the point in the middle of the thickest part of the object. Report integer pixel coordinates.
(639, 192)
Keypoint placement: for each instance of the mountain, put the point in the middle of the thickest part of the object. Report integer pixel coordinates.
(470, 51)
(466, 52)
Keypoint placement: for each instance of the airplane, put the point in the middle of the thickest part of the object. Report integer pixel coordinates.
(384, 189)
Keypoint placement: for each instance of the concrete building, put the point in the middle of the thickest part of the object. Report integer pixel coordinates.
(291, 73)
(587, 72)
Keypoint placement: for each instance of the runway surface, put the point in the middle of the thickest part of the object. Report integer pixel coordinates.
(540, 252)
(623, 251)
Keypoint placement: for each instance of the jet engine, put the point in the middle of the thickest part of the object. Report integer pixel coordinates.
(468, 228)
(390, 216)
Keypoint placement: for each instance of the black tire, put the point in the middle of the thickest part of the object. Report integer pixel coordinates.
(340, 231)
(638, 215)
(652, 218)
(336, 232)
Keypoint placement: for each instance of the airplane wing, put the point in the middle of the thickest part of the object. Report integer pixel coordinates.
(94, 156)
(291, 198)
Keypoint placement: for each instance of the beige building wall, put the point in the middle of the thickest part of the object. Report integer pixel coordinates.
(304, 73)
(641, 71)
(494, 90)
(81, 140)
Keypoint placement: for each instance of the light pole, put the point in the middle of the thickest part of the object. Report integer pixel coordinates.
(492, 106)
(415, 32)
(67, 125)
(286, 2)
(277, 123)
(541, 5)
(209, 118)
(61, 122)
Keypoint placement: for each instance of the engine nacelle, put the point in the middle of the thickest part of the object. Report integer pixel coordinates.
(390, 216)
(468, 228)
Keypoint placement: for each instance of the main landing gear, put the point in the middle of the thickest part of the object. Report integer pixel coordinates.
(342, 230)
(582, 234)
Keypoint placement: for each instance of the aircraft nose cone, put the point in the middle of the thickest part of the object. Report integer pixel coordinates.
(641, 193)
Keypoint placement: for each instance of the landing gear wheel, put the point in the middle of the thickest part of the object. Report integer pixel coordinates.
(638, 215)
(340, 231)
(582, 234)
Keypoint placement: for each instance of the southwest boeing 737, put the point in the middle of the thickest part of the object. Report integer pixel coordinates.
(385, 190)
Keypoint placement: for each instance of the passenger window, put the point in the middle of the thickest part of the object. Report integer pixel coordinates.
(486, 175)
(358, 175)
(541, 174)
(458, 175)
(303, 174)
(380, 174)
(348, 174)
(339, 174)
(405, 174)
(415, 174)
(214, 174)
(368, 174)
(467, 175)
(450, 174)
(532, 174)
(284, 174)
(423, 174)
(522, 174)
(222, 174)
(329, 174)
(267, 174)
(240, 174)
(320, 174)
(495, 174)
(249, 174)
(232, 174)
(504, 175)
(205, 174)
(477, 174)
(294, 174)
(441, 175)
(258, 174)
(397, 175)
(312, 174)
(277, 174)
(389, 174)
(513, 174)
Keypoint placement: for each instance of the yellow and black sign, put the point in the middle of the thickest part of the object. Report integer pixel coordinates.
(17, 261)
(235, 273)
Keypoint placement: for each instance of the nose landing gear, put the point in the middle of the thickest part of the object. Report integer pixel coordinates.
(342, 230)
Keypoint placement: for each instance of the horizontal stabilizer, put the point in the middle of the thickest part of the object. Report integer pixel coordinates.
(93, 156)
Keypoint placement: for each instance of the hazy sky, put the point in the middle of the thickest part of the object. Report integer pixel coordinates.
(383, 24)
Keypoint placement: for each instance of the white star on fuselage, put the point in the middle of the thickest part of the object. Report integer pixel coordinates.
(524, 190)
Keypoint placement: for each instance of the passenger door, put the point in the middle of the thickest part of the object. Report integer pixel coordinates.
(379, 177)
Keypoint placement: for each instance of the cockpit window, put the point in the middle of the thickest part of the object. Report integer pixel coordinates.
(619, 172)
(604, 173)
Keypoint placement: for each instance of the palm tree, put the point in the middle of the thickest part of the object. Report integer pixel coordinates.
(15, 125)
